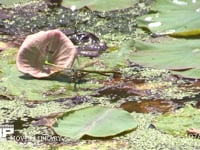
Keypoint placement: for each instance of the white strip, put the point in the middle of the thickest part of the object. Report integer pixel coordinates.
(154, 24)
(178, 2)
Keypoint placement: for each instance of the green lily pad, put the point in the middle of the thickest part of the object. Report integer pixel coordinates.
(17, 84)
(180, 122)
(191, 73)
(119, 56)
(180, 55)
(100, 5)
(58, 86)
(110, 60)
(94, 122)
(12, 2)
(170, 16)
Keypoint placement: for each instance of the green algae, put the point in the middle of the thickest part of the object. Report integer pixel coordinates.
(114, 27)
(145, 138)
(10, 3)
(180, 122)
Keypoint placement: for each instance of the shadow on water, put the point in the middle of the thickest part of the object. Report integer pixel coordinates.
(22, 124)
(60, 78)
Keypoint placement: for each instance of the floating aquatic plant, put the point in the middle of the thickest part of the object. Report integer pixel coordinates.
(45, 46)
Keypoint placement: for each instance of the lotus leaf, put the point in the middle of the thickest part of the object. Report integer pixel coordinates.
(168, 16)
(180, 122)
(100, 5)
(11, 2)
(119, 56)
(95, 122)
(179, 55)
(17, 84)
(51, 46)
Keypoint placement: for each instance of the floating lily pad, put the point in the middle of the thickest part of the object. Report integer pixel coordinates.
(51, 46)
(191, 73)
(12, 2)
(170, 16)
(119, 56)
(17, 84)
(100, 5)
(180, 122)
(94, 122)
(180, 55)
(110, 60)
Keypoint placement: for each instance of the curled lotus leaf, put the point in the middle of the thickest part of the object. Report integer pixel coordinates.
(45, 46)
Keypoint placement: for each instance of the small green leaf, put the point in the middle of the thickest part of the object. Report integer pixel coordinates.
(12, 2)
(179, 55)
(100, 5)
(180, 122)
(95, 122)
(119, 56)
(172, 16)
